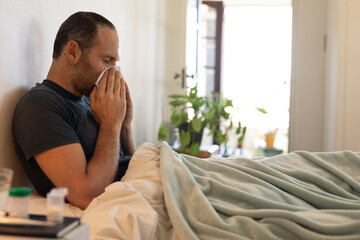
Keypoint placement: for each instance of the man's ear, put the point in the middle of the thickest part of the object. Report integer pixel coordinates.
(72, 51)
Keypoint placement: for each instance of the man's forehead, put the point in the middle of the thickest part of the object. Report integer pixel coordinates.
(107, 41)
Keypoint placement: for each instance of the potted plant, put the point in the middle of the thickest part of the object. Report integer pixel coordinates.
(220, 120)
(192, 113)
(269, 137)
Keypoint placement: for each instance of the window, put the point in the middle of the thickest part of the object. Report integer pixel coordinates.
(211, 19)
(245, 52)
(256, 68)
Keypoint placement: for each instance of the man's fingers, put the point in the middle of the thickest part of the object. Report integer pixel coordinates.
(117, 84)
(103, 82)
(123, 89)
(128, 97)
(110, 81)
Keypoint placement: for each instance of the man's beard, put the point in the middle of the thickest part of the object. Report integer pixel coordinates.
(84, 77)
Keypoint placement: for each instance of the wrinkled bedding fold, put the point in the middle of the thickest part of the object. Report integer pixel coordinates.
(299, 195)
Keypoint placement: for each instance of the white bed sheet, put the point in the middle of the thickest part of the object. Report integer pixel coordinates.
(133, 208)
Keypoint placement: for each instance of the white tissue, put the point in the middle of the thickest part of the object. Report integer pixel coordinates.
(117, 68)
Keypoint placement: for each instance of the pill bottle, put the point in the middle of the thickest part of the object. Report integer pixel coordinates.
(18, 202)
(55, 204)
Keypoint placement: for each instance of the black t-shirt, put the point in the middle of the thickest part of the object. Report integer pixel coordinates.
(49, 116)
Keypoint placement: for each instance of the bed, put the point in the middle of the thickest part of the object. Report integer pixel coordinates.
(166, 195)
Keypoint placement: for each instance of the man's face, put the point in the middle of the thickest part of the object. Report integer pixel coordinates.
(103, 54)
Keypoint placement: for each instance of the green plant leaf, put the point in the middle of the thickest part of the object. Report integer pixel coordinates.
(212, 130)
(194, 149)
(196, 124)
(198, 103)
(175, 96)
(184, 138)
(210, 113)
(228, 102)
(241, 138)
(178, 118)
(225, 115)
(178, 103)
(220, 138)
(262, 110)
(163, 132)
(174, 103)
(238, 129)
(193, 91)
(183, 118)
(175, 118)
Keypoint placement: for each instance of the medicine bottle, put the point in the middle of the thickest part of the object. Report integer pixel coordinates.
(18, 202)
(55, 204)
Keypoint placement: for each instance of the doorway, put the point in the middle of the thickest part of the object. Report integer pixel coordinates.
(250, 62)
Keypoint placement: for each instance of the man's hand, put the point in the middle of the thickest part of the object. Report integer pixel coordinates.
(127, 141)
(129, 109)
(108, 102)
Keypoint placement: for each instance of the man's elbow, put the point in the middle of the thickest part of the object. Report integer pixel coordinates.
(84, 204)
(81, 200)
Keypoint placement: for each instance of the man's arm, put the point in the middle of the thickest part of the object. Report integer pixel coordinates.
(66, 166)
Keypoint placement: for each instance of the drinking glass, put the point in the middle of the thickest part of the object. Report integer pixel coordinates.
(6, 175)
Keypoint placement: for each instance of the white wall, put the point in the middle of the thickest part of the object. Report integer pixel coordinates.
(347, 134)
(28, 29)
(174, 52)
(325, 84)
(331, 72)
(307, 81)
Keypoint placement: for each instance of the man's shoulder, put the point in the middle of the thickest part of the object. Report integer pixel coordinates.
(40, 93)
(40, 89)
(39, 99)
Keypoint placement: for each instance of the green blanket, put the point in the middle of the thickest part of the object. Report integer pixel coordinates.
(300, 195)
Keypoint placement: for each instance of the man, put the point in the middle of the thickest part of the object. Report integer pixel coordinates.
(68, 132)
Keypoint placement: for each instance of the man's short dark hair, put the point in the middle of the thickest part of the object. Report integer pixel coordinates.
(81, 27)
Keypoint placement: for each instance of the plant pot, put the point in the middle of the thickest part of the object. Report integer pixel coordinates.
(195, 136)
(270, 139)
(200, 154)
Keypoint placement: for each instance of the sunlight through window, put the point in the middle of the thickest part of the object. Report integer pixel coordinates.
(256, 70)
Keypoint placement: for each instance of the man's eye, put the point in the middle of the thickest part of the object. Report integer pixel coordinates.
(107, 61)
